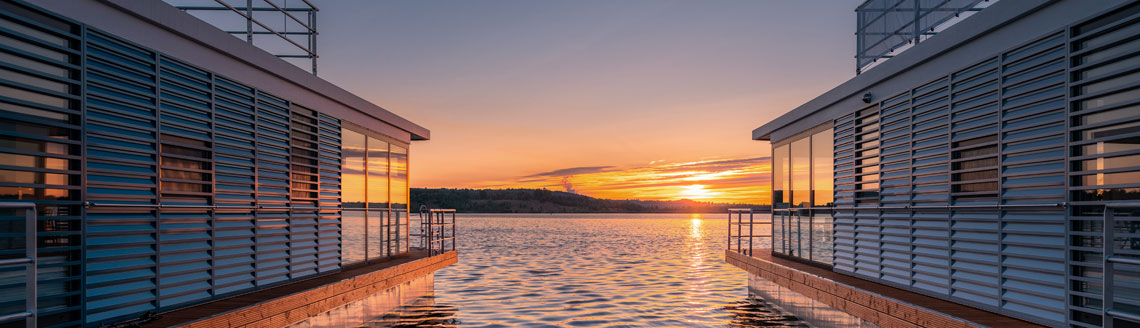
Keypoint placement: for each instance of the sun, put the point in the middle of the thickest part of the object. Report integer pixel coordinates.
(696, 192)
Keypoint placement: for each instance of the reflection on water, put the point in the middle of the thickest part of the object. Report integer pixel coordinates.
(423, 312)
(590, 270)
(806, 309)
(373, 311)
(755, 312)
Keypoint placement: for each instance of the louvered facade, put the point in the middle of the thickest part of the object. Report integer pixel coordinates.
(160, 184)
(983, 171)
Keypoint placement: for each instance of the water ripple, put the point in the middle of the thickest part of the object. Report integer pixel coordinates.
(612, 270)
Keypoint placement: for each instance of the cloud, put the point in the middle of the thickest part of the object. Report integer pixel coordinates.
(572, 171)
(735, 180)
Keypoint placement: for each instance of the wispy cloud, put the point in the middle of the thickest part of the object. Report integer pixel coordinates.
(572, 171)
(740, 180)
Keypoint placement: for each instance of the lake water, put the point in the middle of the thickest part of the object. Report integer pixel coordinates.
(590, 270)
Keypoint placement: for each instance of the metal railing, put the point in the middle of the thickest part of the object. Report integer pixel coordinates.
(437, 230)
(1110, 260)
(884, 26)
(738, 226)
(29, 262)
(308, 24)
(791, 233)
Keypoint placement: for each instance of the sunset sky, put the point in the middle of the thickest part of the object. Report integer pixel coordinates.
(614, 99)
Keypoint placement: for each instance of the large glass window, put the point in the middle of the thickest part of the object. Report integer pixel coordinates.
(803, 177)
(377, 233)
(780, 186)
(399, 189)
(822, 162)
(399, 177)
(378, 228)
(353, 185)
(375, 175)
(801, 173)
(823, 195)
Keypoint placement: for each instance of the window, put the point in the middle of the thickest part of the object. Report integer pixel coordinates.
(822, 161)
(353, 229)
(377, 233)
(377, 173)
(399, 199)
(352, 173)
(399, 177)
(801, 172)
(780, 192)
(803, 176)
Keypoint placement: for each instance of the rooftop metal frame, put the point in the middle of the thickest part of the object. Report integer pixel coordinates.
(884, 26)
(309, 24)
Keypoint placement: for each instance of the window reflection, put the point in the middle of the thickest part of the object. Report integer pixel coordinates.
(352, 237)
(353, 227)
(822, 162)
(377, 233)
(374, 180)
(803, 175)
(377, 173)
(352, 172)
(780, 180)
(399, 177)
(400, 198)
(801, 172)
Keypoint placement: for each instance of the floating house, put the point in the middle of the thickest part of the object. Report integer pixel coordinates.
(156, 170)
(981, 169)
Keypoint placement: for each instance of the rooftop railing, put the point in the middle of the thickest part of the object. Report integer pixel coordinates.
(304, 26)
(886, 27)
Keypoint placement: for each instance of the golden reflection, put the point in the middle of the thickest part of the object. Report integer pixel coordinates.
(696, 226)
(352, 173)
(698, 284)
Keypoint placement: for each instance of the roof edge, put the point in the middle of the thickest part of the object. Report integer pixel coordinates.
(167, 17)
(993, 17)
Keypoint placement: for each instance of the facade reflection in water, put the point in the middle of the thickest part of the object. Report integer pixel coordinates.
(375, 192)
(383, 309)
(802, 194)
(806, 309)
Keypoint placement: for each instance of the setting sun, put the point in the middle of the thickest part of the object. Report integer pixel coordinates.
(696, 192)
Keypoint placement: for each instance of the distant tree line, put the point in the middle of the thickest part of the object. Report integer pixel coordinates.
(547, 201)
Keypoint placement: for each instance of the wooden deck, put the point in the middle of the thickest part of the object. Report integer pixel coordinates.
(285, 304)
(876, 303)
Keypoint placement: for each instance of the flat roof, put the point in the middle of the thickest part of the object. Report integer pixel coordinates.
(985, 21)
(190, 39)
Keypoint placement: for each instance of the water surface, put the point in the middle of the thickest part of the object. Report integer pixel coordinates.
(590, 270)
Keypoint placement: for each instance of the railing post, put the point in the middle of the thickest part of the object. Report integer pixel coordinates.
(917, 19)
(32, 287)
(249, 22)
(1106, 285)
(751, 222)
(739, 233)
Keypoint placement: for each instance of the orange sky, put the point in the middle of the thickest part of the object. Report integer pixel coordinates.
(723, 180)
(524, 93)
